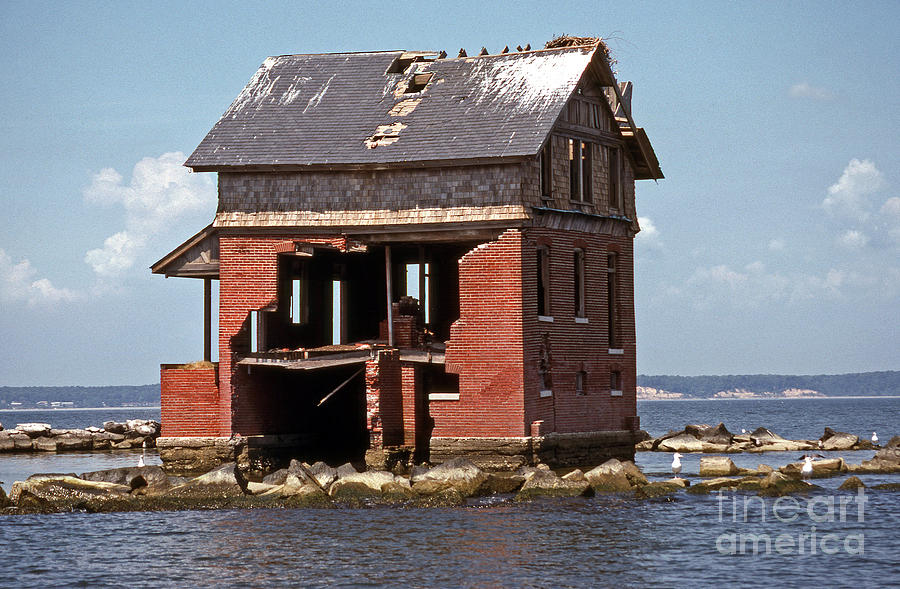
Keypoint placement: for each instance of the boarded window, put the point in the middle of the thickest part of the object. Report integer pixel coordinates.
(579, 283)
(543, 280)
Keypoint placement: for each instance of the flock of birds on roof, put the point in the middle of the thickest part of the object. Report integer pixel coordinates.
(484, 51)
(805, 471)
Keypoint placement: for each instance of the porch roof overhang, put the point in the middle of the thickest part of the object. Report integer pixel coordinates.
(340, 359)
(198, 257)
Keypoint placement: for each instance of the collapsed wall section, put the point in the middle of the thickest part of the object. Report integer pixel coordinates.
(485, 346)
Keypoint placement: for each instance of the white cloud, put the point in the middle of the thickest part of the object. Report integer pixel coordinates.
(754, 286)
(847, 198)
(805, 90)
(160, 192)
(776, 245)
(889, 220)
(648, 238)
(18, 283)
(853, 239)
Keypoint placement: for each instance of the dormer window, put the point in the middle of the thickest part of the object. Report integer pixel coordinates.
(418, 83)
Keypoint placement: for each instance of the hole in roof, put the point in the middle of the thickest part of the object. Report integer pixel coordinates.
(418, 83)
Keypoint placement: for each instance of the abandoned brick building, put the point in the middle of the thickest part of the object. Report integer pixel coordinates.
(417, 253)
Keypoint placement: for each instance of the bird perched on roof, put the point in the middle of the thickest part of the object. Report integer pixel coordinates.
(676, 464)
(874, 438)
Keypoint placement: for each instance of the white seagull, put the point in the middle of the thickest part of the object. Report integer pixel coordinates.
(807, 469)
(676, 464)
(141, 461)
(874, 438)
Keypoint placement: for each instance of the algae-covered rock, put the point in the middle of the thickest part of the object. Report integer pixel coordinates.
(887, 487)
(777, 484)
(834, 440)
(614, 466)
(851, 483)
(656, 489)
(396, 492)
(4, 500)
(134, 477)
(821, 468)
(715, 484)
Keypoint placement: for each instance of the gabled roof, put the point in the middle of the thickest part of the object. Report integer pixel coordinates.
(328, 109)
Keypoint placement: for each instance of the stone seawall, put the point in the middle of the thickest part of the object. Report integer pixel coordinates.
(42, 437)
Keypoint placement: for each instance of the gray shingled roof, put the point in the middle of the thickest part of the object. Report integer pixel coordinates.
(320, 109)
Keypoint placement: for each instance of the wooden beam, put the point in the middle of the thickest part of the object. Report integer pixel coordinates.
(390, 295)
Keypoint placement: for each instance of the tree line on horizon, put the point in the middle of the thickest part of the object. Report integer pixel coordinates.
(832, 385)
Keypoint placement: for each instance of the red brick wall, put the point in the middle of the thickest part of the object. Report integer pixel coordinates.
(575, 346)
(189, 401)
(485, 346)
(384, 400)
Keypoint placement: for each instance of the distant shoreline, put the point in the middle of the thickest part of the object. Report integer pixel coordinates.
(774, 398)
(123, 408)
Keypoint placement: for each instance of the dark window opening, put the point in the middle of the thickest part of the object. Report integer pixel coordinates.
(615, 381)
(580, 167)
(615, 180)
(580, 382)
(611, 300)
(546, 171)
(579, 283)
(543, 280)
(544, 365)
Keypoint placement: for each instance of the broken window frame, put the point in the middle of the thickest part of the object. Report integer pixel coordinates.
(543, 281)
(581, 158)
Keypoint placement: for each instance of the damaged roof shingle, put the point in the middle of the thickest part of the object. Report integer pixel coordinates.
(326, 109)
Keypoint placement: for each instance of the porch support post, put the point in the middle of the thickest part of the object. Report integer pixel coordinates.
(423, 296)
(207, 319)
(390, 295)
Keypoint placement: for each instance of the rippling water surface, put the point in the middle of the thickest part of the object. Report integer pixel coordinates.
(604, 541)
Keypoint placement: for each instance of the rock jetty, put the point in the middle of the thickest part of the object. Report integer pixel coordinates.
(42, 437)
(718, 440)
(453, 483)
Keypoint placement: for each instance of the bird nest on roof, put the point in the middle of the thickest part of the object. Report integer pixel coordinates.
(570, 41)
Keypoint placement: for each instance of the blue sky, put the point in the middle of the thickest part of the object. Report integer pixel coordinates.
(772, 246)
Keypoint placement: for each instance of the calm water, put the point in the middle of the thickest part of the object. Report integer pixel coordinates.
(597, 542)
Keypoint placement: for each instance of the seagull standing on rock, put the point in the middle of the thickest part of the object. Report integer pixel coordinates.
(874, 438)
(676, 464)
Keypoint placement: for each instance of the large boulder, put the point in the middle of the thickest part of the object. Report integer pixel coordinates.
(460, 473)
(657, 489)
(63, 492)
(681, 443)
(777, 484)
(362, 484)
(114, 427)
(134, 477)
(502, 483)
(761, 436)
(545, 483)
(717, 466)
(834, 440)
(44, 444)
(74, 440)
(225, 481)
(34, 430)
(821, 468)
(607, 476)
(4, 500)
(718, 434)
(320, 472)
